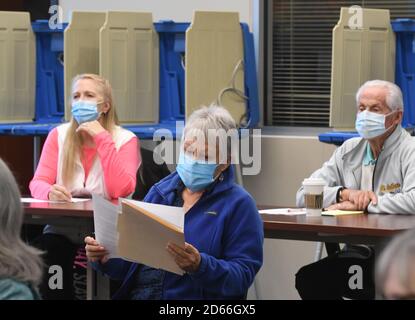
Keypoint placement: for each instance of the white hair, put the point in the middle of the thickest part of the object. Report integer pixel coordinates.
(18, 260)
(400, 254)
(211, 122)
(394, 98)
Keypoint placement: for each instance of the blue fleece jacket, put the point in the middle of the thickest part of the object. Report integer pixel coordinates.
(225, 226)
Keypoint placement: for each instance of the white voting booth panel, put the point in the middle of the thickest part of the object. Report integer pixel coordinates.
(17, 67)
(123, 48)
(129, 59)
(81, 49)
(214, 50)
(363, 49)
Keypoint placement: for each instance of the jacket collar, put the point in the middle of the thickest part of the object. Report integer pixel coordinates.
(354, 156)
(393, 141)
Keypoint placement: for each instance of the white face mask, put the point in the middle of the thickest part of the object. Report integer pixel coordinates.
(370, 124)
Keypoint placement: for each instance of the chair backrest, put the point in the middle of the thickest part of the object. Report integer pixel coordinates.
(148, 174)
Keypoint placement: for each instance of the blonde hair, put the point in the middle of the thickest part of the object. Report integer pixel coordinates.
(18, 260)
(73, 141)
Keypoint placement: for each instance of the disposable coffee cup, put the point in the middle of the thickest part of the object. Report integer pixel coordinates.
(313, 195)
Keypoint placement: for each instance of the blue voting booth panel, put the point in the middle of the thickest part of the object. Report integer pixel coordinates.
(50, 96)
(405, 66)
(336, 138)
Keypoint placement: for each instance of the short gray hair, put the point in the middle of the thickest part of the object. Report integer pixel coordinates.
(394, 98)
(211, 119)
(399, 253)
(18, 260)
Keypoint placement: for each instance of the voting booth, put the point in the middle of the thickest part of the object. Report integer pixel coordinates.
(380, 49)
(147, 66)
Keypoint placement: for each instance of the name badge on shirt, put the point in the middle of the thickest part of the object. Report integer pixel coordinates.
(392, 188)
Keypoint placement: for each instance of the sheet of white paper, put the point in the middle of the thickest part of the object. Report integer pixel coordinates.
(105, 224)
(284, 211)
(174, 215)
(32, 200)
(80, 199)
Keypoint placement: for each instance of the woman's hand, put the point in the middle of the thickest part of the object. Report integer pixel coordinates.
(92, 128)
(187, 258)
(94, 251)
(59, 193)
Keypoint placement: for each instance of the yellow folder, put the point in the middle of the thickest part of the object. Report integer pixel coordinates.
(145, 229)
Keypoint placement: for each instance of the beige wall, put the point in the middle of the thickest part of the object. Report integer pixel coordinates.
(286, 161)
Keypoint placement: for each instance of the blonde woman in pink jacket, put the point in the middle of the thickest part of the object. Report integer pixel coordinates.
(91, 154)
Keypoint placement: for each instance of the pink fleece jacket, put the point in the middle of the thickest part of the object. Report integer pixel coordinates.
(119, 168)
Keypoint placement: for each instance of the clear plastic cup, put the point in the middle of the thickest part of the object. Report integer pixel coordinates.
(313, 195)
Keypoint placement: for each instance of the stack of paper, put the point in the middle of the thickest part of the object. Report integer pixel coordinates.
(139, 231)
(32, 200)
(145, 229)
(105, 224)
(284, 211)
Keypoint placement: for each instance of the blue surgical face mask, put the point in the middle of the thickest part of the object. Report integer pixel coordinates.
(195, 174)
(370, 124)
(85, 111)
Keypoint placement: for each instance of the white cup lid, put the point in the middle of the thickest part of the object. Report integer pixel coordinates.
(314, 182)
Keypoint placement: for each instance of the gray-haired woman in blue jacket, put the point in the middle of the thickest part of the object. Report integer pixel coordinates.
(223, 230)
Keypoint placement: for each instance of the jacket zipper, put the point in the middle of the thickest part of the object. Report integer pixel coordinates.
(374, 170)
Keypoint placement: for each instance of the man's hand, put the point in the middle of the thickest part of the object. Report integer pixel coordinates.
(359, 198)
(92, 128)
(187, 258)
(345, 205)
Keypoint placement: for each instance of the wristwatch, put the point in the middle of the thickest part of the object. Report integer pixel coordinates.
(339, 194)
